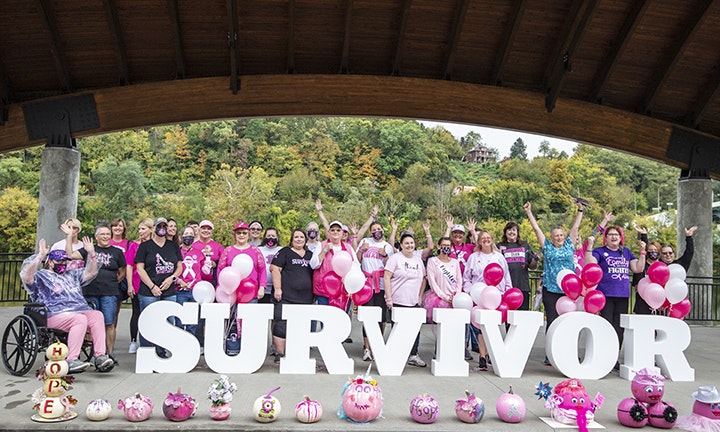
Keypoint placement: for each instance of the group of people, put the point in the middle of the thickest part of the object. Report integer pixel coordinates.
(83, 283)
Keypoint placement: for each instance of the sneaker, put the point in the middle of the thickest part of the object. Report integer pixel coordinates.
(112, 356)
(482, 364)
(77, 366)
(367, 355)
(546, 362)
(272, 350)
(468, 356)
(202, 350)
(104, 363)
(348, 340)
(415, 360)
(487, 359)
(133, 347)
(278, 357)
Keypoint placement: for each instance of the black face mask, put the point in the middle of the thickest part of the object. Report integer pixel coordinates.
(188, 240)
(271, 242)
(653, 255)
(161, 231)
(312, 234)
(377, 235)
(59, 268)
(445, 250)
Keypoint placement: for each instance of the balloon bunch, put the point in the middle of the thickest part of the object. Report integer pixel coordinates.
(346, 279)
(487, 295)
(234, 283)
(664, 287)
(580, 292)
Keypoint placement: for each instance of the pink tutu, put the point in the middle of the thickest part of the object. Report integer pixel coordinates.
(432, 301)
(697, 423)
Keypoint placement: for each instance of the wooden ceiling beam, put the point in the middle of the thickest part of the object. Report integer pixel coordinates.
(456, 29)
(231, 6)
(4, 95)
(663, 71)
(400, 44)
(47, 18)
(291, 37)
(346, 40)
(561, 63)
(710, 92)
(118, 41)
(174, 16)
(508, 38)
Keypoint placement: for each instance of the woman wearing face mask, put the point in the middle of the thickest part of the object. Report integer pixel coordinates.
(145, 228)
(159, 264)
(269, 247)
(313, 236)
(48, 282)
(653, 255)
(444, 277)
(192, 260)
(372, 253)
(520, 258)
(558, 254)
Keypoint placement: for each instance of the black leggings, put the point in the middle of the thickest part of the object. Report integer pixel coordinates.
(549, 299)
(134, 317)
(614, 307)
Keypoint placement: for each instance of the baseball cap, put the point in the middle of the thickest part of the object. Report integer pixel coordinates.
(458, 227)
(241, 226)
(158, 221)
(57, 255)
(336, 222)
(206, 223)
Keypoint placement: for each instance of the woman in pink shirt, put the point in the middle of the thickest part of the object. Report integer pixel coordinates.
(242, 246)
(145, 229)
(444, 277)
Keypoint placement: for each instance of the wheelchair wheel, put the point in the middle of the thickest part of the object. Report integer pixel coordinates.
(20, 344)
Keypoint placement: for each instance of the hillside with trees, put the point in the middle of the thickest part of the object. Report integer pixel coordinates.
(273, 170)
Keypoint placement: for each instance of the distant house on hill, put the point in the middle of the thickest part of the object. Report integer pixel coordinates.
(480, 154)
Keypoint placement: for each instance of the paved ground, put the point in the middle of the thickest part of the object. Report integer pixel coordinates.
(15, 405)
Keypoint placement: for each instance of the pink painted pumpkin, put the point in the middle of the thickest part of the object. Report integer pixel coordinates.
(571, 404)
(632, 413)
(510, 407)
(470, 409)
(308, 411)
(648, 386)
(361, 399)
(179, 406)
(662, 415)
(137, 408)
(424, 409)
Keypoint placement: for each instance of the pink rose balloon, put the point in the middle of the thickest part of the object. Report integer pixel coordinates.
(564, 305)
(341, 263)
(681, 309)
(594, 301)
(514, 298)
(490, 298)
(659, 273)
(247, 291)
(591, 274)
(571, 286)
(654, 295)
(332, 283)
(493, 274)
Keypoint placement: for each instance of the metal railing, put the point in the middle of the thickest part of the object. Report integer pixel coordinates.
(704, 293)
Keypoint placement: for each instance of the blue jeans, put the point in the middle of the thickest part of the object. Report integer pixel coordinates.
(316, 326)
(107, 304)
(146, 301)
(181, 297)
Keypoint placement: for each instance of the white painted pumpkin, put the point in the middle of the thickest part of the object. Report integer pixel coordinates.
(98, 410)
(54, 387)
(56, 369)
(56, 351)
(267, 408)
(308, 411)
(52, 407)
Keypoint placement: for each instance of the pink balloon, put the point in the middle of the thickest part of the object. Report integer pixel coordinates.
(564, 305)
(475, 324)
(503, 308)
(591, 274)
(364, 295)
(513, 298)
(493, 274)
(490, 298)
(659, 273)
(586, 290)
(341, 263)
(332, 283)
(223, 297)
(642, 284)
(247, 290)
(594, 301)
(654, 295)
(681, 309)
(228, 280)
(580, 304)
(571, 286)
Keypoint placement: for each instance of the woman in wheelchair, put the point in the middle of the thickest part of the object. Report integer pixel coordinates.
(47, 281)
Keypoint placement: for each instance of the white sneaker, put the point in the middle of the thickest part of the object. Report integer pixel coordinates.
(133, 347)
(367, 355)
(415, 360)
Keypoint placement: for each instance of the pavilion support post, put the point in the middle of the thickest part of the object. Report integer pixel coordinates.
(59, 180)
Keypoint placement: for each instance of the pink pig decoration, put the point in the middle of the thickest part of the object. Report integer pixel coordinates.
(571, 404)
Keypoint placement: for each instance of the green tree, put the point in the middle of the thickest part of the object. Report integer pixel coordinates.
(121, 189)
(518, 150)
(18, 220)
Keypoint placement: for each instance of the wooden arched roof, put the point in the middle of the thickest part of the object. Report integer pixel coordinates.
(635, 75)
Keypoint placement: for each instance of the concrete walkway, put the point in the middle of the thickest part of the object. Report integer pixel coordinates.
(15, 404)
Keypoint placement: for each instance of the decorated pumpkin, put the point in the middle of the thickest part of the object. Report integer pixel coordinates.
(308, 411)
(361, 399)
(510, 407)
(267, 408)
(56, 351)
(55, 386)
(424, 408)
(54, 407)
(571, 404)
(632, 413)
(55, 369)
(98, 410)
(179, 406)
(136, 408)
(662, 415)
(470, 409)
(648, 386)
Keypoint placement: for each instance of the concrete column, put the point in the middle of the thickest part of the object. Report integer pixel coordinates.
(59, 180)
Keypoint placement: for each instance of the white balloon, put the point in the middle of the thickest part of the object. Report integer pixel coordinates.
(677, 271)
(561, 275)
(354, 280)
(476, 290)
(203, 292)
(243, 264)
(462, 300)
(676, 290)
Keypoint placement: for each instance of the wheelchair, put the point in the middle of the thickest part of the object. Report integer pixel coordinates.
(27, 335)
